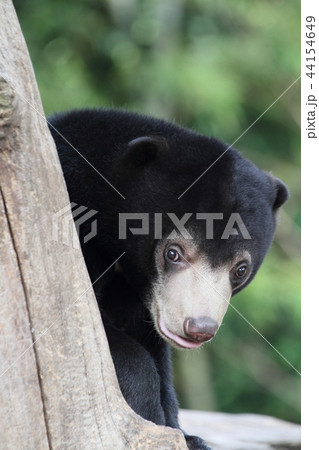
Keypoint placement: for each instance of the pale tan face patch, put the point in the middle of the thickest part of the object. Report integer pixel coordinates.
(195, 291)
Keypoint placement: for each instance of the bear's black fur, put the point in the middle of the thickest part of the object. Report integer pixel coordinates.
(107, 155)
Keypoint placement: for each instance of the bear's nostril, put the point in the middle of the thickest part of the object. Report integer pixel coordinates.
(201, 329)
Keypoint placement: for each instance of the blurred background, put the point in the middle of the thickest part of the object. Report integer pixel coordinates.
(214, 66)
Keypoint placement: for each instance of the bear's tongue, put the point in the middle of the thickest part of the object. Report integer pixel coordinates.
(175, 338)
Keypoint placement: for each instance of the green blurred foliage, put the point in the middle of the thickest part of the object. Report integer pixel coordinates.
(215, 66)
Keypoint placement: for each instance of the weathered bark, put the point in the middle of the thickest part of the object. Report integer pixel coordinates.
(58, 387)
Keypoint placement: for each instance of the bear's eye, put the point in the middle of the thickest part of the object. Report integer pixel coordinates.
(172, 255)
(241, 271)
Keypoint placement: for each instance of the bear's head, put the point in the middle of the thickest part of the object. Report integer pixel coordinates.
(196, 224)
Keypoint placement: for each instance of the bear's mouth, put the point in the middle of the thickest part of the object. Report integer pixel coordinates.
(179, 341)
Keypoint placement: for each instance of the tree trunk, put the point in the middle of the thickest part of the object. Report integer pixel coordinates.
(58, 387)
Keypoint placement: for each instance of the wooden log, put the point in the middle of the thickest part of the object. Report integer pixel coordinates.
(58, 386)
(241, 431)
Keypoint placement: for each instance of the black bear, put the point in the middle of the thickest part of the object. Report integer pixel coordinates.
(195, 220)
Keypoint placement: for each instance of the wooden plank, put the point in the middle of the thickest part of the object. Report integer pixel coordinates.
(241, 431)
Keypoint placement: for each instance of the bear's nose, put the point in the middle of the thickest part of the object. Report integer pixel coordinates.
(201, 329)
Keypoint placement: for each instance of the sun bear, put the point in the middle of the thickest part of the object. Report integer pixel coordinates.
(184, 222)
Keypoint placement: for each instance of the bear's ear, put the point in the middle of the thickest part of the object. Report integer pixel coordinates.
(145, 149)
(281, 192)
